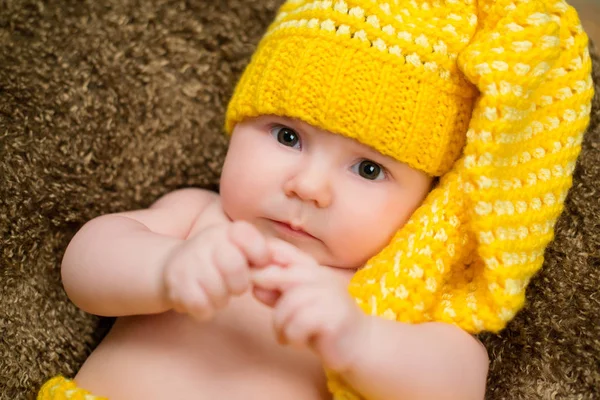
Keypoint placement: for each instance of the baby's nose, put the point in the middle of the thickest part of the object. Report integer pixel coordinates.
(310, 185)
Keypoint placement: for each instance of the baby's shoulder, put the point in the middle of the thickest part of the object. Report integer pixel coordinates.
(202, 208)
(187, 199)
(176, 212)
(192, 208)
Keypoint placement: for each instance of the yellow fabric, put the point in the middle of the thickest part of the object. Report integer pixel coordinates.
(61, 388)
(398, 75)
(355, 69)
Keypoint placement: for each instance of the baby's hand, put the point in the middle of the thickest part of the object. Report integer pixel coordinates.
(314, 307)
(209, 268)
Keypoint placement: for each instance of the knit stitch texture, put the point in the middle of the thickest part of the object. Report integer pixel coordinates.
(60, 388)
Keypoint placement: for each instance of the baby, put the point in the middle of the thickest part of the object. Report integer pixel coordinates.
(300, 210)
(339, 126)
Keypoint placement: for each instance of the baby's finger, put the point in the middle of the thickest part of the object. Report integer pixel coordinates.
(198, 306)
(289, 305)
(284, 253)
(251, 242)
(233, 267)
(305, 324)
(274, 277)
(188, 298)
(208, 277)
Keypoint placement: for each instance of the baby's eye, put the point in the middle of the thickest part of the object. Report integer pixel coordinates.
(369, 170)
(286, 136)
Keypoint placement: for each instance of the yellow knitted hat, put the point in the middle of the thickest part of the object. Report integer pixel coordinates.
(492, 95)
(369, 71)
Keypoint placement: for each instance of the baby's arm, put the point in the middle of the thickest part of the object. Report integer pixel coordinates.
(393, 360)
(182, 253)
(381, 359)
(113, 265)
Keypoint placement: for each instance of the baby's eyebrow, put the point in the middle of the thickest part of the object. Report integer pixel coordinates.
(302, 126)
(372, 153)
(284, 119)
(290, 122)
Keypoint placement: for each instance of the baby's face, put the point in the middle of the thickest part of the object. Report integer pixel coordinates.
(329, 195)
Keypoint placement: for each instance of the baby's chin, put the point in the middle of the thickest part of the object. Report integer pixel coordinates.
(324, 256)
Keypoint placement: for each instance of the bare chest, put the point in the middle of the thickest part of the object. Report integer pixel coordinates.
(170, 356)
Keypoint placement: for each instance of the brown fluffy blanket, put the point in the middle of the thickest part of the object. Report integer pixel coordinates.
(106, 105)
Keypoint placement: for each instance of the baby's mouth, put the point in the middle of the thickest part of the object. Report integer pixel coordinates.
(287, 229)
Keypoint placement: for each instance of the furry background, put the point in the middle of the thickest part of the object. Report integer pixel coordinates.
(106, 105)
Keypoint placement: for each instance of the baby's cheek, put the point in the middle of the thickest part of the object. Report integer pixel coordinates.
(235, 205)
(349, 249)
(229, 202)
(363, 241)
